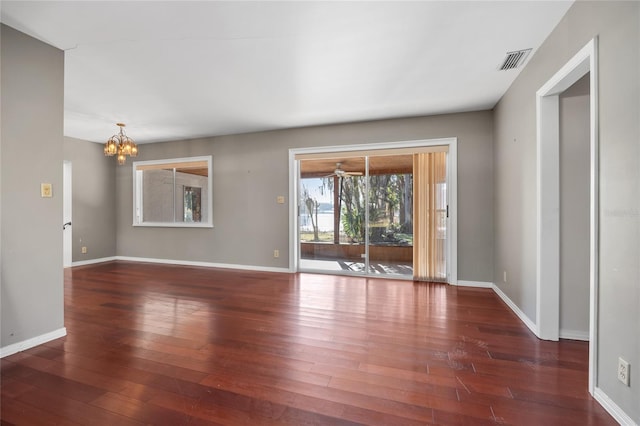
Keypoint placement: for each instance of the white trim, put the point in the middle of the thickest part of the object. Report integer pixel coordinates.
(516, 310)
(203, 264)
(548, 218)
(594, 244)
(452, 170)
(174, 224)
(92, 261)
(476, 284)
(571, 72)
(612, 408)
(452, 194)
(547, 169)
(367, 224)
(370, 146)
(294, 247)
(32, 342)
(183, 262)
(574, 335)
(67, 213)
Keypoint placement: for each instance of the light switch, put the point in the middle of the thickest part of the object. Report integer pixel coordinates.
(280, 199)
(45, 190)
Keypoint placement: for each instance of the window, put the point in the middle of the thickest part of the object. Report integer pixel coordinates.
(175, 192)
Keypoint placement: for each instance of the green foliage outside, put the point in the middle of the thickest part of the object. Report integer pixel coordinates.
(390, 209)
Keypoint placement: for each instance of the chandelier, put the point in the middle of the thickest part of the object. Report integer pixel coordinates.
(121, 145)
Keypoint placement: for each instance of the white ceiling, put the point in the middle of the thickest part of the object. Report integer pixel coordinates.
(177, 70)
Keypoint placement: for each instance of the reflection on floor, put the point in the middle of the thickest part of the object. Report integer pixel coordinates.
(358, 267)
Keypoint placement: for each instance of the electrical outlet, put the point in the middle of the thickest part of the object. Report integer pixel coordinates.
(276, 253)
(84, 250)
(623, 371)
(504, 276)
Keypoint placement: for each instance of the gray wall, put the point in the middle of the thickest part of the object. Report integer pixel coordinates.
(574, 209)
(617, 26)
(251, 170)
(31, 227)
(94, 199)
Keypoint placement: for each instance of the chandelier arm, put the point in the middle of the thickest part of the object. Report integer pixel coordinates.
(121, 145)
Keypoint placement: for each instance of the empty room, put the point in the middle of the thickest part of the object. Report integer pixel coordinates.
(329, 213)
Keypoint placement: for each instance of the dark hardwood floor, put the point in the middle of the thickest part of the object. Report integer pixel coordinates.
(173, 345)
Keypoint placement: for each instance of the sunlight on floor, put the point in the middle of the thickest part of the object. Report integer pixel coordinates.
(356, 267)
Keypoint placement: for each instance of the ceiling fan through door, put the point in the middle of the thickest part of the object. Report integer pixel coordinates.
(338, 172)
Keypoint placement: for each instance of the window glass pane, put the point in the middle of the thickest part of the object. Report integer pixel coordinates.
(332, 204)
(391, 215)
(173, 192)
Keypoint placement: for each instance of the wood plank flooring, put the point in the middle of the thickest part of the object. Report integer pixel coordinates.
(175, 345)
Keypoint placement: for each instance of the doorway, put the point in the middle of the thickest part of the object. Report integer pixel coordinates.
(548, 199)
(67, 231)
(574, 211)
(354, 210)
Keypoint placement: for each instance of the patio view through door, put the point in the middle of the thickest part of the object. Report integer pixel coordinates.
(356, 213)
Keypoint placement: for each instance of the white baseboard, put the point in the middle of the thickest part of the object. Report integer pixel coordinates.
(574, 335)
(204, 264)
(181, 262)
(92, 261)
(564, 334)
(612, 408)
(34, 341)
(477, 284)
(516, 310)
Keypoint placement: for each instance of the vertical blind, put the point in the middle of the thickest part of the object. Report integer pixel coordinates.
(429, 216)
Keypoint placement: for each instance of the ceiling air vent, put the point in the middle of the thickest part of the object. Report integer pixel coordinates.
(514, 59)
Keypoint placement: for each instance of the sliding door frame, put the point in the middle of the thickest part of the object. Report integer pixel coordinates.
(452, 194)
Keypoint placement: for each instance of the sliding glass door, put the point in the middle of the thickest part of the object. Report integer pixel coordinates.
(377, 213)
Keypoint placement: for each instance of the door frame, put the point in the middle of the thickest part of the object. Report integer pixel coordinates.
(452, 193)
(67, 213)
(548, 200)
